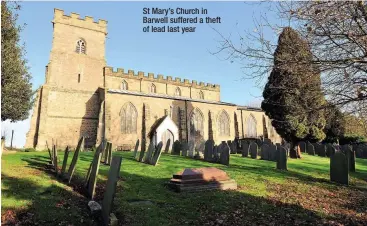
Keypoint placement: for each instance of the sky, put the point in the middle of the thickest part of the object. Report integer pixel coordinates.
(187, 55)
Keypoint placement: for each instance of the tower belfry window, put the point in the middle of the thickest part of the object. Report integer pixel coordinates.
(78, 78)
(80, 46)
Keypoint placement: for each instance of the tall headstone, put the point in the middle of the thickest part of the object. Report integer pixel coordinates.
(339, 172)
(136, 149)
(224, 155)
(233, 146)
(253, 150)
(148, 156)
(91, 185)
(185, 148)
(75, 159)
(282, 159)
(265, 152)
(176, 148)
(157, 154)
(55, 160)
(168, 144)
(321, 150)
(302, 146)
(208, 152)
(244, 147)
(310, 149)
(272, 153)
(348, 151)
(109, 158)
(109, 195)
(215, 154)
(64, 163)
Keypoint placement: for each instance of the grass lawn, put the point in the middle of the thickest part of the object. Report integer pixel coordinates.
(302, 195)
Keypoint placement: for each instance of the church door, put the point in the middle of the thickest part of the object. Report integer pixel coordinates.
(165, 136)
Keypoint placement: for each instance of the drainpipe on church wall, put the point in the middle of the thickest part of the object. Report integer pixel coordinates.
(243, 134)
(187, 130)
(140, 83)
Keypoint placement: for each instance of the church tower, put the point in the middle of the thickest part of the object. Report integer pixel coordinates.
(68, 104)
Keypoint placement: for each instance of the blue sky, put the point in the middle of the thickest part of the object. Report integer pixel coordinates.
(174, 54)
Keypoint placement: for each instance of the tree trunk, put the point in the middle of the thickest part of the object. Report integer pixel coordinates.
(294, 151)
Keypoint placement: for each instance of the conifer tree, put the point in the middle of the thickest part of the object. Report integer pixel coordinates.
(16, 89)
(292, 95)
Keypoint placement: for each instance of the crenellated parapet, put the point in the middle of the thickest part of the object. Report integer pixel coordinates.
(119, 72)
(75, 20)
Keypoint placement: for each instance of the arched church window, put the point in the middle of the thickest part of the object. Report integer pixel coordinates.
(178, 92)
(223, 124)
(196, 124)
(153, 89)
(201, 95)
(80, 46)
(124, 85)
(129, 117)
(251, 126)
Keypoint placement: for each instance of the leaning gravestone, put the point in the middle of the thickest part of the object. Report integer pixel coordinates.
(330, 150)
(113, 176)
(224, 154)
(136, 149)
(168, 144)
(148, 156)
(265, 152)
(244, 147)
(176, 148)
(185, 148)
(141, 155)
(157, 154)
(282, 159)
(302, 146)
(339, 172)
(253, 150)
(66, 155)
(92, 180)
(75, 159)
(310, 149)
(55, 160)
(208, 151)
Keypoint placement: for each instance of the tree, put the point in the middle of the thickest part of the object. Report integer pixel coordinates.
(335, 124)
(16, 89)
(293, 92)
(336, 31)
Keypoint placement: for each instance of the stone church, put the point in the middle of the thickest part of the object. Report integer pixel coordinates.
(82, 96)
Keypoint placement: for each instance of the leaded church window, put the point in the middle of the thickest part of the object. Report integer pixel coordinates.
(80, 46)
(196, 123)
(153, 89)
(223, 124)
(201, 95)
(124, 85)
(178, 92)
(251, 126)
(129, 117)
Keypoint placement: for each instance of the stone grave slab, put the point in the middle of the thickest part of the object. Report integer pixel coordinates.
(245, 148)
(339, 171)
(282, 159)
(265, 152)
(253, 150)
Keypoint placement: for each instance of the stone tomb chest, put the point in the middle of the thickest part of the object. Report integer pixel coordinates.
(201, 179)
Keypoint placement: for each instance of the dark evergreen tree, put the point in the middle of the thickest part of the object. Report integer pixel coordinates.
(16, 89)
(335, 124)
(292, 95)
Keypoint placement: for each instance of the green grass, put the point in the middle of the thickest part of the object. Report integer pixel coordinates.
(265, 195)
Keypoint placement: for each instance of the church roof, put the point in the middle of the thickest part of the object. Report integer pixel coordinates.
(165, 96)
(156, 125)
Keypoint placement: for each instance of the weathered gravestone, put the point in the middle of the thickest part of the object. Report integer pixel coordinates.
(358, 150)
(244, 147)
(71, 170)
(109, 195)
(93, 175)
(233, 146)
(215, 154)
(310, 149)
(191, 145)
(339, 172)
(282, 159)
(272, 152)
(168, 144)
(185, 148)
(321, 150)
(109, 157)
(136, 149)
(55, 159)
(208, 151)
(148, 156)
(253, 150)
(157, 154)
(267, 141)
(64, 163)
(302, 146)
(142, 151)
(51, 157)
(176, 148)
(330, 150)
(348, 151)
(224, 153)
(265, 152)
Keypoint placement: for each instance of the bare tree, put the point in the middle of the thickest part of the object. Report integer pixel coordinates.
(336, 31)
